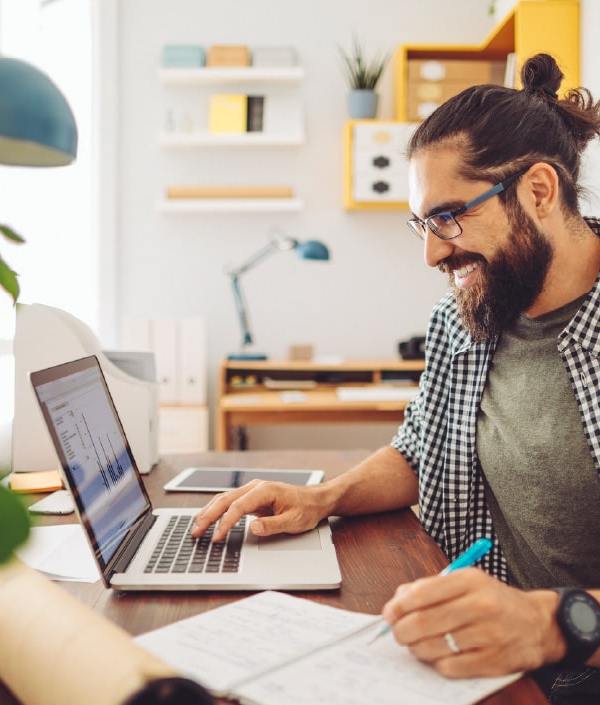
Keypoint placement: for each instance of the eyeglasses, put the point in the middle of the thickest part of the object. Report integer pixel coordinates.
(445, 225)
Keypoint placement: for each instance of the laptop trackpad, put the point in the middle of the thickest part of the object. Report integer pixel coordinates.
(310, 541)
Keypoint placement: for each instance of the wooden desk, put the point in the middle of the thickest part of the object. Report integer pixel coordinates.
(246, 396)
(376, 553)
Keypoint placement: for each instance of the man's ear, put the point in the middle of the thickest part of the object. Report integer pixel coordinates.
(540, 189)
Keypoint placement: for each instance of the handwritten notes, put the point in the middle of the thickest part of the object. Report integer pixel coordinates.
(354, 673)
(241, 640)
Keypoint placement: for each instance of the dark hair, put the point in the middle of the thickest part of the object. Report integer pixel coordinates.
(171, 691)
(504, 130)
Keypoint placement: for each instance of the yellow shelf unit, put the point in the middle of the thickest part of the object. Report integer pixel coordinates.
(532, 26)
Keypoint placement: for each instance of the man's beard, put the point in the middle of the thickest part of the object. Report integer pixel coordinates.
(508, 284)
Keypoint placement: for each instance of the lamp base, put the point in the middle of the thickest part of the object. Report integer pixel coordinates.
(254, 356)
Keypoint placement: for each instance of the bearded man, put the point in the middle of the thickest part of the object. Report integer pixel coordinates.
(503, 440)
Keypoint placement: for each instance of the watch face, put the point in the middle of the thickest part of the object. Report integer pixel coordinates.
(583, 617)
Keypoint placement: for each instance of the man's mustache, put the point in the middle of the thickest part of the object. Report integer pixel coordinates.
(457, 261)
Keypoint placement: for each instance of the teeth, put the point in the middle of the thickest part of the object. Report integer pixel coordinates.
(463, 271)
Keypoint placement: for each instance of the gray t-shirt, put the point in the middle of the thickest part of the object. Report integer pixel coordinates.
(542, 487)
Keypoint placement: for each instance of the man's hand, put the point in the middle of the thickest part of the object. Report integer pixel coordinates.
(498, 629)
(282, 508)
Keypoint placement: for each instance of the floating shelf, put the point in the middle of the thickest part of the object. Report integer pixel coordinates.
(246, 139)
(251, 74)
(230, 205)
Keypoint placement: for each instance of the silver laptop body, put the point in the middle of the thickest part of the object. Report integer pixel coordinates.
(138, 547)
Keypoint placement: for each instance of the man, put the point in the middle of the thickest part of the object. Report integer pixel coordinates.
(504, 438)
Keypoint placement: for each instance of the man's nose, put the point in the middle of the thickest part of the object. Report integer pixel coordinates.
(436, 250)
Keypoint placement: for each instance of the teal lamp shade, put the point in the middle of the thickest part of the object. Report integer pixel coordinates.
(37, 126)
(312, 249)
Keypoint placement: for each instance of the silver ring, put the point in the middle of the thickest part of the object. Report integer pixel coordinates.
(451, 641)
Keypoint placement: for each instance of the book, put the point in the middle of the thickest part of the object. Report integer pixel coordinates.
(228, 113)
(182, 56)
(275, 56)
(272, 648)
(182, 192)
(256, 108)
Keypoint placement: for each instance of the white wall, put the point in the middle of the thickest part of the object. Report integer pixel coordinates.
(375, 291)
(590, 78)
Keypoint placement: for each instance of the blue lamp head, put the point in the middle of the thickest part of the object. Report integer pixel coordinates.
(312, 249)
(37, 126)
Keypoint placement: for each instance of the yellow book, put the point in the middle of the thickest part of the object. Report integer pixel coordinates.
(228, 113)
(34, 482)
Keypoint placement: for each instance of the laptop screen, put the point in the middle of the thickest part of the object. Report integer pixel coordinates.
(93, 451)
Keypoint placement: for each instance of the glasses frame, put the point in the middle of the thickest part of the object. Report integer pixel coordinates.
(420, 227)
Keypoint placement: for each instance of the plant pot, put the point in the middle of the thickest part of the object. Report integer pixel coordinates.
(362, 103)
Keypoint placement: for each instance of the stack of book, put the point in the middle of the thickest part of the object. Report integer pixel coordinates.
(182, 56)
(236, 114)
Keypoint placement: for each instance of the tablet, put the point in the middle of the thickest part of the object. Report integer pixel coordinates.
(221, 479)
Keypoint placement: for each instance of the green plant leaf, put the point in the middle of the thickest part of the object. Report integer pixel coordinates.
(10, 234)
(8, 280)
(14, 523)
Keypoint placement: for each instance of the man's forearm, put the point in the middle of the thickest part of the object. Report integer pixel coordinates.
(383, 481)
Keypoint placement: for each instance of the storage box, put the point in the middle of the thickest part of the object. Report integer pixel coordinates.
(228, 55)
(452, 70)
(274, 56)
(425, 97)
(182, 56)
(228, 113)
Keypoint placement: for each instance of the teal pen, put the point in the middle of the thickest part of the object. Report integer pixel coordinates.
(465, 560)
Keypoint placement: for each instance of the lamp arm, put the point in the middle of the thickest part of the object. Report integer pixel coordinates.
(264, 252)
(241, 309)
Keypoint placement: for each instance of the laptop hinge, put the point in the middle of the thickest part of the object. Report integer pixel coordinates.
(123, 558)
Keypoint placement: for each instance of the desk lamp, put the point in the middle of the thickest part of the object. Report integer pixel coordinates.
(311, 249)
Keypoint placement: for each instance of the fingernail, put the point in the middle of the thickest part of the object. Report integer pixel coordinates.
(258, 527)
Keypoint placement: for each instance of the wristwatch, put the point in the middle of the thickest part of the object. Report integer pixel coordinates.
(578, 617)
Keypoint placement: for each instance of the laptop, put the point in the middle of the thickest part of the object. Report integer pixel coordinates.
(138, 547)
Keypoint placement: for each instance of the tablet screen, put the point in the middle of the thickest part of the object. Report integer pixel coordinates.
(228, 479)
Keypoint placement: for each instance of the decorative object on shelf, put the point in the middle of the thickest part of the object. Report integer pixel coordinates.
(37, 128)
(310, 249)
(228, 113)
(363, 77)
(228, 55)
(274, 56)
(182, 56)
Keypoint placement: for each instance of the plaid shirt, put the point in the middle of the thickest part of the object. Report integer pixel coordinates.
(438, 436)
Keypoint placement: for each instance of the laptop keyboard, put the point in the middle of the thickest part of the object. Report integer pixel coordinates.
(178, 552)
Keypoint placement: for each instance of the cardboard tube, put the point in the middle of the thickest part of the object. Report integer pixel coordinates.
(54, 649)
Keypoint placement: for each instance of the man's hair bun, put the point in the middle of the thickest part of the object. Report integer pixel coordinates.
(540, 74)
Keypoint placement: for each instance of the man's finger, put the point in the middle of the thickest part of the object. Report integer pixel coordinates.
(473, 664)
(436, 647)
(434, 621)
(427, 592)
(258, 496)
(278, 524)
(216, 507)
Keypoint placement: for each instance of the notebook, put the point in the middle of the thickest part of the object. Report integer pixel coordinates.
(272, 648)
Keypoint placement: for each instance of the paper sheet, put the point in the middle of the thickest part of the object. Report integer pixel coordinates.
(232, 643)
(377, 393)
(355, 673)
(61, 552)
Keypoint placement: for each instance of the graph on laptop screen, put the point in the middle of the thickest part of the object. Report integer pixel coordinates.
(95, 456)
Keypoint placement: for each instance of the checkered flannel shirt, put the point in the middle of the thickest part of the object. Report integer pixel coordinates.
(438, 436)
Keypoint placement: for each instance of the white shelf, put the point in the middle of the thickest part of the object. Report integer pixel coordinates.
(250, 74)
(230, 205)
(246, 139)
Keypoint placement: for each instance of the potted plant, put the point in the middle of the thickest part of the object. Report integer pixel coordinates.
(362, 76)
